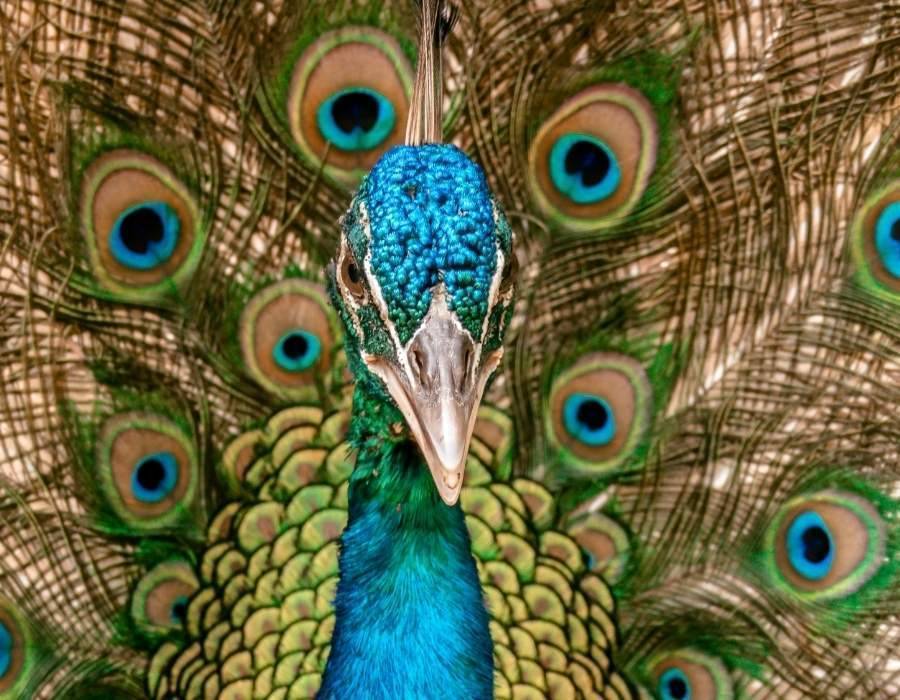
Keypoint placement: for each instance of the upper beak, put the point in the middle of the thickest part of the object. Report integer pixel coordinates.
(439, 394)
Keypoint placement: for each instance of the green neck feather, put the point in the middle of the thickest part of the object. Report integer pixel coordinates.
(409, 603)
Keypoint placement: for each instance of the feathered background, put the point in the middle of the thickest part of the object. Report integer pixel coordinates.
(740, 280)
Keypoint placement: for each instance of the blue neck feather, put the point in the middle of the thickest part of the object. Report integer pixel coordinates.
(410, 616)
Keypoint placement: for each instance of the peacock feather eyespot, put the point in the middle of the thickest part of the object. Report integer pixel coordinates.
(584, 168)
(875, 242)
(141, 225)
(147, 469)
(598, 410)
(356, 119)
(826, 545)
(348, 99)
(287, 333)
(810, 546)
(155, 477)
(689, 674)
(16, 657)
(160, 598)
(674, 685)
(145, 235)
(297, 350)
(589, 419)
(590, 162)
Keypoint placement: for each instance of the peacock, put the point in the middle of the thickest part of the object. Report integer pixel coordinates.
(515, 348)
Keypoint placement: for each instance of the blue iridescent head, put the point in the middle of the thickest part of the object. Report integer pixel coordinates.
(424, 285)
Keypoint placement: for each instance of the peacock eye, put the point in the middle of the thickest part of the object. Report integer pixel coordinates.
(160, 599)
(590, 162)
(287, 331)
(155, 477)
(147, 468)
(139, 222)
(351, 276)
(827, 545)
(598, 410)
(875, 240)
(348, 99)
(688, 674)
(510, 271)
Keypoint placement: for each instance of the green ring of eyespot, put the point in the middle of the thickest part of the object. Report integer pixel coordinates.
(718, 672)
(863, 572)
(124, 159)
(114, 493)
(643, 408)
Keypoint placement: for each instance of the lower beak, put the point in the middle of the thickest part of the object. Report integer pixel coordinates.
(439, 397)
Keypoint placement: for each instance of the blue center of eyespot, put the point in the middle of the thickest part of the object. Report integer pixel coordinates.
(356, 119)
(154, 477)
(590, 419)
(6, 649)
(810, 546)
(674, 685)
(887, 238)
(296, 350)
(145, 235)
(584, 168)
(179, 610)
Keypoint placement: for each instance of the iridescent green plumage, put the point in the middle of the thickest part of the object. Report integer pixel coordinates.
(733, 314)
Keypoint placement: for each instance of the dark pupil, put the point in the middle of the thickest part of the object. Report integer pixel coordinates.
(677, 688)
(895, 230)
(815, 544)
(295, 346)
(179, 610)
(353, 273)
(151, 474)
(588, 159)
(140, 228)
(592, 414)
(355, 109)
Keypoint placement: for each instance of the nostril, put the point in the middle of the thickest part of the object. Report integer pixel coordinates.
(467, 359)
(417, 364)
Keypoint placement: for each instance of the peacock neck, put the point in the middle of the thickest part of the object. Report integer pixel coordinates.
(410, 616)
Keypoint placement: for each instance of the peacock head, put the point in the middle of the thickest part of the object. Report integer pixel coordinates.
(423, 280)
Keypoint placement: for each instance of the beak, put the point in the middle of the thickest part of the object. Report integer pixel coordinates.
(439, 393)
